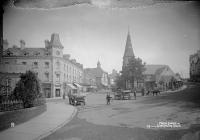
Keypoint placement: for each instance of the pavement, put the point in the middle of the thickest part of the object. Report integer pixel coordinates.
(57, 115)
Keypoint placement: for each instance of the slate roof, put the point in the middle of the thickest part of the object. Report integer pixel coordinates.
(26, 51)
(154, 69)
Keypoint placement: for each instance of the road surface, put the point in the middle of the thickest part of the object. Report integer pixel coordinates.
(136, 119)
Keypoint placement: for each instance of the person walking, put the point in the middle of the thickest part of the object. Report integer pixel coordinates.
(134, 92)
(108, 99)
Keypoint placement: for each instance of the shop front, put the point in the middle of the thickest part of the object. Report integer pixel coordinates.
(46, 89)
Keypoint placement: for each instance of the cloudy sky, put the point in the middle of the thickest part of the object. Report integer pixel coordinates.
(163, 33)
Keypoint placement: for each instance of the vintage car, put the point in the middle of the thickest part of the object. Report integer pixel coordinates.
(126, 94)
(122, 95)
(117, 96)
(76, 99)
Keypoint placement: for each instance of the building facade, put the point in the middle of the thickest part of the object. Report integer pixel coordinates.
(195, 66)
(159, 75)
(112, 78)
(54, 69)
(100, 76)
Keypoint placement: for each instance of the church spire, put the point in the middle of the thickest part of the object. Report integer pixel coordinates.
(128, 48)
(128, 53)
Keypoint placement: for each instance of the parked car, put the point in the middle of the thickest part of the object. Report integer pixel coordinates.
(76, 99)
(122, 95)
(126, 94)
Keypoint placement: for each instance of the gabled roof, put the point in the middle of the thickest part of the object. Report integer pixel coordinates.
(154, 69)
(95, 72)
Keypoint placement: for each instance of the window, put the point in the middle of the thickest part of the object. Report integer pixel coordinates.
(47, 53)
(67, 78)
(57, 53)
(47, 76)
(46, 64)
(26, 53)
(58, 77)
(24, 63)
(36, 74)
(57, 64)
(36, 53)
(35, 64)
(9, 53)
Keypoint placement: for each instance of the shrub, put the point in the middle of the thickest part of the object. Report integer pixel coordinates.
(27, 89)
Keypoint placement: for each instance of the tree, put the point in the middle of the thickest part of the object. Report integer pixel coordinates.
(27, 89)
(134, 70)
(119, 82)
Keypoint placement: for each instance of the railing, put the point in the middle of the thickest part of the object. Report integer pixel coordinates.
(11, 105)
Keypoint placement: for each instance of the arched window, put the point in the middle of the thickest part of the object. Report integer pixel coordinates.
(57, 64)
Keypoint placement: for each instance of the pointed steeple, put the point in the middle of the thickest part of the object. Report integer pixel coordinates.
(128, 53)
(128, 48)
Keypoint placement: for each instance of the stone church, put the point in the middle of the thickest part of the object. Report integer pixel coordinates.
(153, 74)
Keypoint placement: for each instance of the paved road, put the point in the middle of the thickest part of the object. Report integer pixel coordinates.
(129, 119)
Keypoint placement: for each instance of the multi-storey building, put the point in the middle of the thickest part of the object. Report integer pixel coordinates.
(56, 71)
(195, 66)
(100, 76)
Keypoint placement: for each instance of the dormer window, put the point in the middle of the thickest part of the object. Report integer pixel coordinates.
(24, 63)
(26, 53)
(35, 64)
(9, 53)
(36, 53)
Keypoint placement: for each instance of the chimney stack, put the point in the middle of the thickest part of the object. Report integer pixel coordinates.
(46, 44)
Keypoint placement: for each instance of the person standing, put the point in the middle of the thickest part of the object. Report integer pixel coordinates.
(108, 99)
(142, 91)
(134, 92)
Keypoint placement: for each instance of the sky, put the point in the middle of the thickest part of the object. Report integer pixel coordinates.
(164, 33)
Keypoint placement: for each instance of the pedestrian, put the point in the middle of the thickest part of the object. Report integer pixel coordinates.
(108, 98)
(64, 95)
(134, 92)
(69, 97)
(142, 91)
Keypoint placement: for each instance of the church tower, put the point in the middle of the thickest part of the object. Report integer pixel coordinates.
(128, 53)
(98, 64)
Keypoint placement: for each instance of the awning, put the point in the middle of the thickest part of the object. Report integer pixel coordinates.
(71, 86)
(76, 84)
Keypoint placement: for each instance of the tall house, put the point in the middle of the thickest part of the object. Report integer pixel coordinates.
(56, 71)
(128, 53)
(195, 66)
